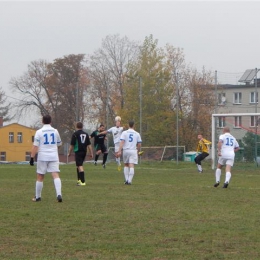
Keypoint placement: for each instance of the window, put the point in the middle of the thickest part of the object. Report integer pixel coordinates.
(252, 121)
(237, 98)
(221, 98)
(11, 137)
(27, 156)
(221, 122)
(238, 121)
(19, 137)
(2, 156)
(254, 97)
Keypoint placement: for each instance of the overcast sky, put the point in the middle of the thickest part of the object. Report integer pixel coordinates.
(220, 35)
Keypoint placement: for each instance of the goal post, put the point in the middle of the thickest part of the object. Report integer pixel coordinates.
(240, 123)
(157, 153)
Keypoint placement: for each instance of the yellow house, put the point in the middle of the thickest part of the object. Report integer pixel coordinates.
(16, 142)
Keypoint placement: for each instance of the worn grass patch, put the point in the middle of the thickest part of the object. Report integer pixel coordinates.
(170, 212)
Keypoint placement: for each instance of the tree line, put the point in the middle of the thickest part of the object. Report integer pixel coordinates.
(150, 84)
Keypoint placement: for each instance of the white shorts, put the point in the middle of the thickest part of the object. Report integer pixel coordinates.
(130, 156)
(43, 167)
(117, 147)
(225, 161)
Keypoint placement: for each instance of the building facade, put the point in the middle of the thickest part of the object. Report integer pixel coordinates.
(238, 99)
(16, 142)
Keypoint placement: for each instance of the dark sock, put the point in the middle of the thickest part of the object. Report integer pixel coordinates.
(78, 175)
(82, 176)
(96, 157)
(105, 158)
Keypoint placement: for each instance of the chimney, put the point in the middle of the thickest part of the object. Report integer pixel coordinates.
(1, 121)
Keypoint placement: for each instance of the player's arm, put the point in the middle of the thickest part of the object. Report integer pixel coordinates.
(33, 153)
(236, 147)
(103, 133)
(219, 146)
(121, 144)
(70, 149)
(207, 142)
(138, 147)
(90, 151)
(72, 143)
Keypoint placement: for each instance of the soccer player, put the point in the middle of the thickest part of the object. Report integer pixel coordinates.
(99, 144)
(227, 146)
(46, 142)
(130, 143)
(116, 132)
(203, 150)
(80, 144)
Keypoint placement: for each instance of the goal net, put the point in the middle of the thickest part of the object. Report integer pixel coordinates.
(244, 127)
(157, 153)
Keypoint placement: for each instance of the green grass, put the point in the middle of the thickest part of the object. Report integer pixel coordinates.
(170, 212)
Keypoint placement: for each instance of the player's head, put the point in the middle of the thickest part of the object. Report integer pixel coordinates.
(101, 128)
(79, 125)
(118, 123)
(200, 136)
(131, 123)
(46, 119)
(226, 129)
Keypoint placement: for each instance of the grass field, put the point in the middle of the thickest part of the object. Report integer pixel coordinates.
(170, 212)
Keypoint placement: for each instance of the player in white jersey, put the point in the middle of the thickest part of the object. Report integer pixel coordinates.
(130, 143)
(227, 146)
(116, 131)
(46, 142)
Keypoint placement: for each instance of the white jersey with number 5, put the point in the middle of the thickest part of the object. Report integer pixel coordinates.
(131, 138)
(229, 143)
(47, 139)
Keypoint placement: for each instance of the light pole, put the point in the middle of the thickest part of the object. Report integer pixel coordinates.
(177, 118)
(256, 119)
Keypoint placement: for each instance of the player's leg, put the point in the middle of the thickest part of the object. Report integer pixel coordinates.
(80, 161)
(229, 164)
(105, 154)
(41, 170)
(98, 152)
(218, 175)
(198, 160)
(53, 167)
(126, 166)
(76, 160)
(118, 158)
(133, 159)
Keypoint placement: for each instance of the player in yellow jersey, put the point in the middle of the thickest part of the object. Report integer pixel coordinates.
(203, 150)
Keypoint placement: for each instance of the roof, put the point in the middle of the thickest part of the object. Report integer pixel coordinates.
(16, 124)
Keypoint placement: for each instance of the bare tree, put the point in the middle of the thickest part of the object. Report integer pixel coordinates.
(107, 69)
(56, 88)
(5, 107)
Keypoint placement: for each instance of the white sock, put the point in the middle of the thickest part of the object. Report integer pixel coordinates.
(118, 161)
(228, 177)
(131, 175)
(57, 184)
(218, 174)
(199, 167)
(38, 189)
(126, 173)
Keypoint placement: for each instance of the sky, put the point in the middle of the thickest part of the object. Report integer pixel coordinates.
(220, 36)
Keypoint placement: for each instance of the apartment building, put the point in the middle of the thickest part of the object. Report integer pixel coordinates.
(241, 98)
(15, 142)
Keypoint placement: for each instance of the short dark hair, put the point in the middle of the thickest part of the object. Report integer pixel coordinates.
(131, 123)
(79, 125)
(46, 119)
(101, 125)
